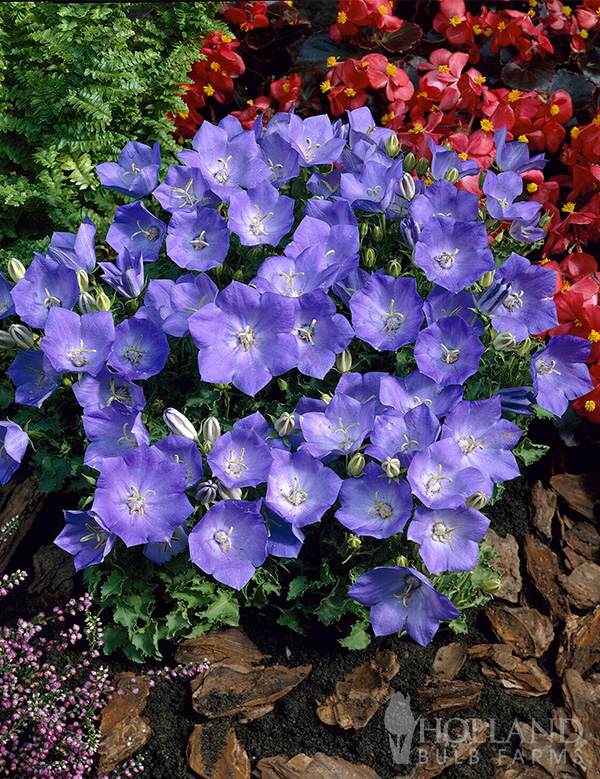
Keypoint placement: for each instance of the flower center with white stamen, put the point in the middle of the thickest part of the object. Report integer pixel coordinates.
(392, 320)
(236, 467)
(296, 496)
(468, 444)
(544, 368)
(222, 175)
(514, 301)
(151, 232)
(187, 195)
(294, 292)
(256, 224)
(77, 356)
(381, 509)
(433, 485)
(223, 539)
(411, 583)
(51, 301)
(199, 242)
(446, 259)
(246, 338)
(305, 332)
(449, 356)
(346, 441)
(133, 353)
(136, 503)
(442, 533)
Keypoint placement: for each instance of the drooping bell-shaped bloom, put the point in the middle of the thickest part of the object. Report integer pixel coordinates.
(230, 542)
(387, 312)
(136, 173)
(78, 343)
(438, 479)
(162, 551)
(400, 436)
(416, 388)
(240, 458)
(98, 392)
(340, 429)
(374, 506)
(157, 301)
(448, 351)
(282, 159)
(178, 449)
(402, 598)
(140, 349)
(373, 188)
(244, 337)
(126, 276)
(320, 331)
(136, 229)
(560, 374)
(46, 285)
(261, 215)
(453, 254)
(184, 190)
(300, 488)
(13, 443)
(140, 496)
(449, 538)
(34, 377)
(75, 251)
(112, 432)
(85, 537)
(197, 240)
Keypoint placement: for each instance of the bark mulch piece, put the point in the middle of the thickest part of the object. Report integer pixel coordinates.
(584, 539)
(52, 582)
(450, 695)
(318, 767)
(580, 490)
(542, 564)
(546, 752)
(358, 696)
(518, 676)
(448, 661)
(508, 565)
(22, 501)
(521, 772)
(579, 647)
(543, 504)
(528, 632)
(218, 646)
(122, 731)
(438, 760)
(233, 762)
(581, 700)
(582, 586)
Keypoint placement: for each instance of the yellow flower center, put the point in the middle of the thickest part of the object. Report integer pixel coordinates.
(554, 109)
(350, 92)
(387, 118)
(215, 66)
(596, 120)
(331, 61)
(584, 34)
(383, 9)
(463, 156)
(391, 70)
(342, 18)
(428, 181)
(501, 26)
(226, 38)
(575, 132)
(565, 286)
(286, 86)
(589, 405)
(532, 187)
(567, 10)
(568, 207)
(183, 114)
(455, 21)
(208, 90)
(479, 79)
(533, 3)
(514, 95)
(487, 126)
(444, 69)
(421, 94)
(416, 128)
(477, 29)
(531, 13)
(488, 31)
(325, 86)
(594, 336)
(523, 139)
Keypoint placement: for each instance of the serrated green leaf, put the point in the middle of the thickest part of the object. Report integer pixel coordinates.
(224, 610)
(113, 585)
(459, 625)
(358, 637)
(113, 638)
(289, 620)
(298, 587)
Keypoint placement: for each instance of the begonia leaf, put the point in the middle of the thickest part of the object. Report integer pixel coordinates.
(535, 75)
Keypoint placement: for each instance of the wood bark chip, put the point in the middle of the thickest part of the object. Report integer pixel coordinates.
(438, 760)
(304, 767)
(520, 677)
(53, 573)
(508, 565)
(546, 751)
(528, 632)
(582, 702)
(581, 491)
(543, 505)
(582, 586)
(233, 762)
(521, 772)
(450, 695)
(254, 690)
(122, 730)
(584, 539)
(18, 500)
(543, 567)
(359, 695)
(448, 661)
(219, 646)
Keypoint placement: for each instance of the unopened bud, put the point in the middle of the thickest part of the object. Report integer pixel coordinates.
(407, 186)
(16, 269)
(179, 424)
(211, 429)
(476, 501)
(422, 166)
(353, 541)
(504, 341)
(219, 269)
(83, 280)
(402, 561)
(87, 304)
(392, 146)
(132, 305)
(21, 335)
(356, 465)
(452, 175)
(491, 585)
(409, 162)
(282, 384)
(499, 237)
(545, 220)
(343, 361)
(391, 467)
(370, 258)
(285, 424)
(238, 275)
(326, 397)
(103, 302)
(377, 233)
(6, 342)
(207, 492)
(410, 231)
(394, 268)
(90, 479)
(486, 281)
(524, 347)
(363, 229)
(229, 493)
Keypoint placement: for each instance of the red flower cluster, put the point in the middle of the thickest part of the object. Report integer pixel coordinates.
(353, 14)
(246, 15)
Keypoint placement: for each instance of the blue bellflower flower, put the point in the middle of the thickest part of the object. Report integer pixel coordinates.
(79, 344)
(136, 173)
(197, 240)
(46, 285)
(448, 538)
(560, 374)
(515, 156)
(136, 229)
(85, 537)
(34, 377)
(13, 443)
(77, 252)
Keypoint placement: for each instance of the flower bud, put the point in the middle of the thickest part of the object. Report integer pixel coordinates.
(407, 187)
(229, 493)
(179, 424)
(83, 280)
(343, 361)
(409, 162)
(6, 341)
(356, 465)
(211, 429)
(524, 347)
(392, 146)
(391, 467)
(499, 237)
(326, 397)
(504, 341)
(452, 175)
(545, 220)
(476, 501)
(132, 305)
(363, 229)
(282, 384)
(422, 166)
(16, 269)
(87, 304)
(491, 585)
(207, 492)
(370, 258)
(493, 297)
(21, 335)
(353, 541)
(402, 561)
(485, 282)
(103, 302)
(219, 269)
(377, 233)
(394, 268)
(410, 231)
(238, 275)
(285, 424)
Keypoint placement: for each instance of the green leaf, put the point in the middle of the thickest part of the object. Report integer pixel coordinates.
(224, 609)
(289, 620)
(125, 616)
(113, 638)
(358, 638)
(459, 625)
(298, 587)
(528, 452)
(176, 623)
(113, 585)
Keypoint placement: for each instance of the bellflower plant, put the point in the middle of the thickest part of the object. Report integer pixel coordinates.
(305, 408)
